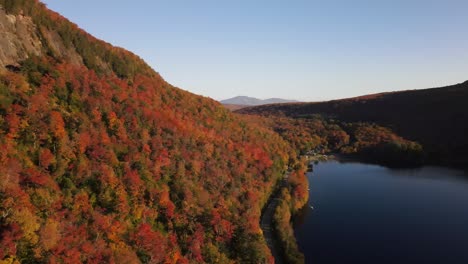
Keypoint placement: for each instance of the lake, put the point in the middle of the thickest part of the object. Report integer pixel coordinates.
(371, 214)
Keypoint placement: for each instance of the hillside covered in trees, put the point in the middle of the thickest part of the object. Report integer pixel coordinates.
(102, 161)
(437, 118)
(369, 142)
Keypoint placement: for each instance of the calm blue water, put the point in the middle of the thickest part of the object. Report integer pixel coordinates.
(371, 214)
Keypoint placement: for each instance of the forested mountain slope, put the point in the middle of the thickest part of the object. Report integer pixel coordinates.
(103, 161)
(437, 117)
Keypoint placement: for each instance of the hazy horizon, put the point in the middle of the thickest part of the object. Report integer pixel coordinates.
(306, 50)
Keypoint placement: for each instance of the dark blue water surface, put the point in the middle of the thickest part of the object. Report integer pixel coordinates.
(371, 214)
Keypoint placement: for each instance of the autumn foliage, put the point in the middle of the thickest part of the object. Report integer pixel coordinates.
(436, 118)
(318, 134)
(293, 197)
(112, 164)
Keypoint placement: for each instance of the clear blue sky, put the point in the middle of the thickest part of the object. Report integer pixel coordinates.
(304, 50)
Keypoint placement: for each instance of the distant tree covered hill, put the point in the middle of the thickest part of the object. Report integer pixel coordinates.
(234, 107)
(246, 101)
(102, 161)
(437, 117)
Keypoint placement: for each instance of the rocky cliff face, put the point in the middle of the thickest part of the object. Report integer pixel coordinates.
(29, 29)
(18, 39)
(57, 46)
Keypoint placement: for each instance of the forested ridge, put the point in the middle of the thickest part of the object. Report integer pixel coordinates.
(436, 118)
(102, 161)
(316, 135)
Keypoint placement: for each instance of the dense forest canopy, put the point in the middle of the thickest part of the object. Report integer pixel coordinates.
(437, 118)
(104, 161)
(366, 141)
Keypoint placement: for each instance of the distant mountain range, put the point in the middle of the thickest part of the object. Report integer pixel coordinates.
(251, 101)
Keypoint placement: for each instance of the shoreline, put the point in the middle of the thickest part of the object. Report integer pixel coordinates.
(277, 220)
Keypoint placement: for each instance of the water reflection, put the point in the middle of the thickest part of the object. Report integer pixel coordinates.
(431, 172)
(302, 215)
(427, 172)
(372, 214)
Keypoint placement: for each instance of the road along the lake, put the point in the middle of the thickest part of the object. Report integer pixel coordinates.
(266, 222)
